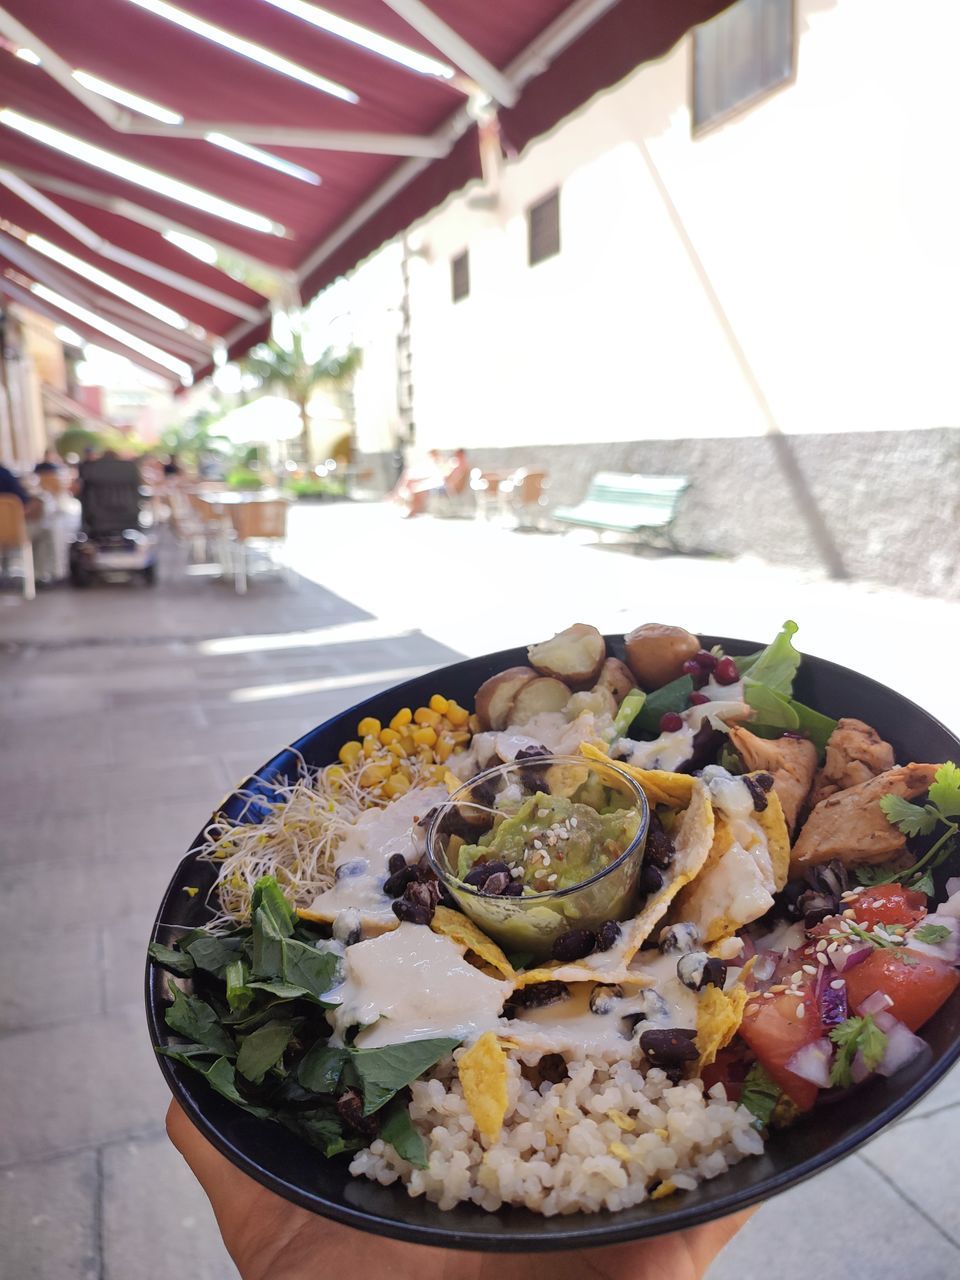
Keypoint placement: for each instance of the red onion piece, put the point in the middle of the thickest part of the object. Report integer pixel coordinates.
(765, 966)
(952, 905)
(874, 1004)
(859, 1069)
(902, 1045)
(812, 1063)
(844, 960)
(948, 949)
(832, 1001)
(953, 886)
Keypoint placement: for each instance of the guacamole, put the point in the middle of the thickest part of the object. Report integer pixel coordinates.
(553, 842)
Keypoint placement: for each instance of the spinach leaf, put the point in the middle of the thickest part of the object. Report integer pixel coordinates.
(263, 1049)
(222, 1077)
(321, 1067)
(398, 1130)
(192, 1018)
(268, 897)
(817, 727)
(285, 990)
(239, 994)
(323, 1128)
(383, 1072)
(212, 953)
(267, 958)
(175, 961)
(182, 1051)
(304, 966)
(670, 697)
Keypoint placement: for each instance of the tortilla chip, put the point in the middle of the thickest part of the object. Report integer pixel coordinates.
(774, 825)
(719, 1015)
(457, 927)
(483, 1077)
(372, 926)
(581, 971)
(659, 786)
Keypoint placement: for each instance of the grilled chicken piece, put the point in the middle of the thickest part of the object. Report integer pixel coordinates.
(855, 753)
(792, 761)
(851, 826)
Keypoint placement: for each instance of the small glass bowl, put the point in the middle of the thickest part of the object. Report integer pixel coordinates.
(531, 923)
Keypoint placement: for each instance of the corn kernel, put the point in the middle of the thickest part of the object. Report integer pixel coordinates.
(368, 725)
(396, 785)
(456, 715)
(473, 724)
(335, 774)
(460, 738)
(405, 771)
(443, 748)
(374, 774)
(425, 737)
(396, 749)
(403, 717)
(388, 735)
(425, 755)
(439, 704)
(423, 715)
(350, 753)
(451, 781)
(371, 745)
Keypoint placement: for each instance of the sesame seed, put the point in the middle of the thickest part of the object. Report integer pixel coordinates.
(780, 986)
(822, 959)
(823, 945)
(838, 985)
(809, 968)
(849, 914)
(552, 879)
(801, 1011)
(847, 949)
(573, 822)
(797, 977)
(768, 995)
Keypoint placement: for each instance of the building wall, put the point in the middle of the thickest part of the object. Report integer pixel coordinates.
(823, 218)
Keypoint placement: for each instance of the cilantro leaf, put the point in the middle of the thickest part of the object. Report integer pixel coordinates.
(760, 1095)
(856, 1035)
(945, 791)
(931, 933)
(912, 819)
(924, 884)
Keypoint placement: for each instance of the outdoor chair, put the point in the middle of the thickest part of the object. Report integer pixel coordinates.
(524, 494)
(257, 526)
(14, 537)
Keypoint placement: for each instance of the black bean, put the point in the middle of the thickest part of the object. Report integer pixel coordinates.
(814, 907)
(553, 1068)
(829, 877)
(607, 935)
(668, 1047)
(574, 945)
(394, 885)
(396, 863)
(347, 870)
(679, 938)
(629, 1023)
(530, 753)
(496, 885)
(350, 1110)
(514, 889)
(651, 880)
(757, 793)
(480, 872)
(603, 998)
(538, 995)
(697, 970)
(765, 780)
(417, 905)
(660, 850)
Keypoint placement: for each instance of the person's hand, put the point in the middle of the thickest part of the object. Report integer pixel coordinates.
(270, 1239)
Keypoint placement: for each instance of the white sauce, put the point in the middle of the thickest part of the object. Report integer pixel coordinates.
(669, 751)
(734, 890)
(679, 1003)
(723, 692)
(563, 737)
(414, 984)
(366, 849)
(570, 1026)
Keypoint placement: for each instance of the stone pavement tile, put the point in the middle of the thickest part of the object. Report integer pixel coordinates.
(48, 1220)
(921, 1157)
(82, 735)
(124, 944)
(51, 837)
(156, 1219)
(946, 1094)
(159, 831)
(41, 898)
(78, 1085)
(54, 981)
(87, 788)
(845, 1220)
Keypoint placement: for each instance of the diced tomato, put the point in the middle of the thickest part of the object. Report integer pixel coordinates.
(774, 1032)
(889, 904)
(918, 985)
(730, 1068)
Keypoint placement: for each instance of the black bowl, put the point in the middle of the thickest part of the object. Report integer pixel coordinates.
(289, 1167)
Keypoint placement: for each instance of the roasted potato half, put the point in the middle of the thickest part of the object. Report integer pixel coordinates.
(656, 653)
(618, 678)
(495, 696)
(543, 694)
(575, 656)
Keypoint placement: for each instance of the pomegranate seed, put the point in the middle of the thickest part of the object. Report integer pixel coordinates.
(726, 672)
(670, 722)
(697, 699)
(706, 660)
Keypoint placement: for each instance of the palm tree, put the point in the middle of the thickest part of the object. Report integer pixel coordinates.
(286, 368)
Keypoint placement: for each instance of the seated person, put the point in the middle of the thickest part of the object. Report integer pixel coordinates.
(47, 464)
(41, 537)
(457, 474)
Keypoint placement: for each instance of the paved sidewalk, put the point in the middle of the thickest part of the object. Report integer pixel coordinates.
(126, 714)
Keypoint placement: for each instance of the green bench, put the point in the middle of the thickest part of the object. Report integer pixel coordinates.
(628, 504)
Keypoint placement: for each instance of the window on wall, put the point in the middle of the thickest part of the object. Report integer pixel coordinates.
(543, 228)
(740, 55)
(460, 276)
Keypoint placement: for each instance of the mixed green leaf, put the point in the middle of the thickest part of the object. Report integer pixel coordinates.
(255, 1027)
(856, 1035)
(760, 1095)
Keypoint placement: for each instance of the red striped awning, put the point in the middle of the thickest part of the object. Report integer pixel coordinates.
(379, 142)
